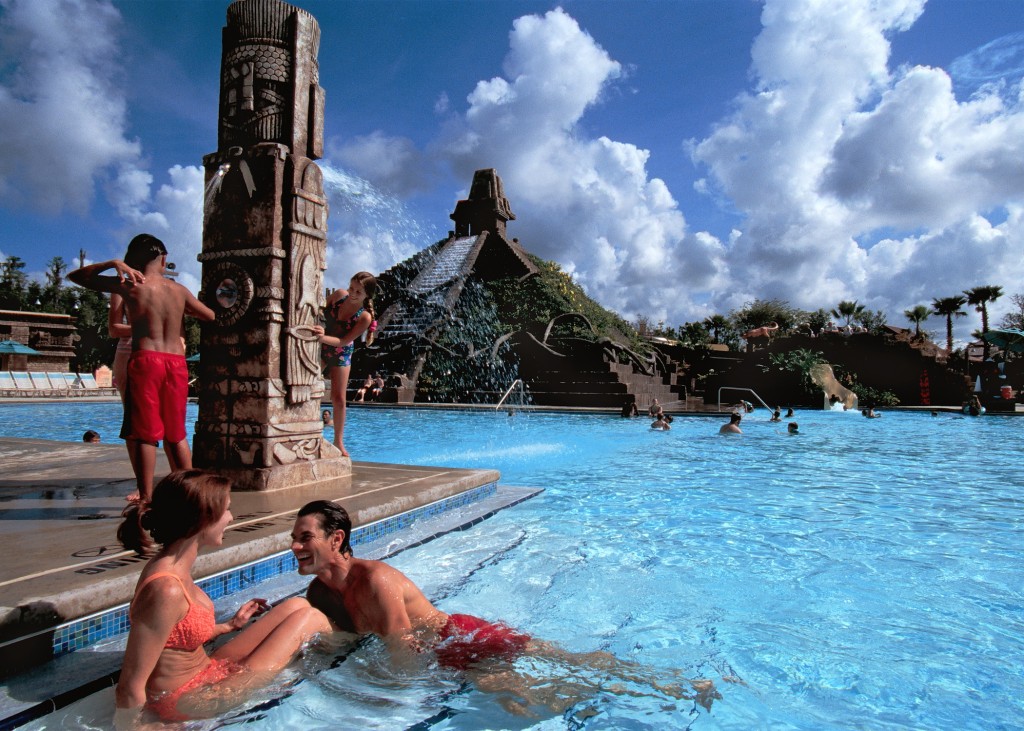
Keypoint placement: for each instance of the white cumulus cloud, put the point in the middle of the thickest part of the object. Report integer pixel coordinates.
(62, 110)
(587, 203)
(858, 181)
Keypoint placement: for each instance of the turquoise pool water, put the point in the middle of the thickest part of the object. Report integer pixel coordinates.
(862, 574)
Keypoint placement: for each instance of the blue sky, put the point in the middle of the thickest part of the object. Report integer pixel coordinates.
(678, 157)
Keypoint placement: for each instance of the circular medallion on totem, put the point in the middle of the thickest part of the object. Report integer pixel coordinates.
(231, 288)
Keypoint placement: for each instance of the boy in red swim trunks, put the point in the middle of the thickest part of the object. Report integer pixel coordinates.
(364, 596)
(157, 390)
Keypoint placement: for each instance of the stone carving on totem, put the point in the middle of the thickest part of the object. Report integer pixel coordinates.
(270, 132)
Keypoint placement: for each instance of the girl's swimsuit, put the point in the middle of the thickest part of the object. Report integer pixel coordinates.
(339, 357)
(194, 630)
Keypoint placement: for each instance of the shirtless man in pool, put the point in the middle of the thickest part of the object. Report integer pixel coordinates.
(369, 597)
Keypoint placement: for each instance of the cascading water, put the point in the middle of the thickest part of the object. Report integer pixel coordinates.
(213, 187)
(368, 225)
(461, 368)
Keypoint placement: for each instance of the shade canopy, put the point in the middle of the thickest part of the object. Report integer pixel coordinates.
(13, 347)
(1009, 340)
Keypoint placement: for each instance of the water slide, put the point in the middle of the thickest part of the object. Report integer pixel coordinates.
(825, 379)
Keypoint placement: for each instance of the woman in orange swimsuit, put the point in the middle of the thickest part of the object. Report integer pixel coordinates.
(166, 669)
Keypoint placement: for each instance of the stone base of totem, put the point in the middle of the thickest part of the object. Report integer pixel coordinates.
(328, 471)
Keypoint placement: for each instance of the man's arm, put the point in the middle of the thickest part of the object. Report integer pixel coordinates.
(386, 610)
(91, 277)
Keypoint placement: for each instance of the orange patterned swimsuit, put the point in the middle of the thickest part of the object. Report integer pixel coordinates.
(193, 631)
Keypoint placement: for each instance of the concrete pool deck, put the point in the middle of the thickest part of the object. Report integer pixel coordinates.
(62, 503)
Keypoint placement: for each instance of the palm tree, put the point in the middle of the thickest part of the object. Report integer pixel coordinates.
(716, 323)
(979, 297)
(949, 307)
(917, 315)
(847, 310)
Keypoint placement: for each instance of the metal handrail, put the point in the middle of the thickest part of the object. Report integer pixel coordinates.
(517, 382)
(738, 388)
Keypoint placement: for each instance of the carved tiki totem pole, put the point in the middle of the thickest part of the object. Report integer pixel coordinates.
(264, 254)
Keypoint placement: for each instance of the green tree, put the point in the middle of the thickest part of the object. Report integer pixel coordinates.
(763, 312)
(848, 311)
(872, 320)
(54, 284)
(817, 321)
(12, 283)
(1014, 320)
(34, 295)
(979, 297)
(694, 335)
(949, 307)
(94, 347)
(799, 361)
(716, 325)
(917, 315)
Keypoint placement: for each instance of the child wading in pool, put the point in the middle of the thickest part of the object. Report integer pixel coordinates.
(157, 377)
(349, 314)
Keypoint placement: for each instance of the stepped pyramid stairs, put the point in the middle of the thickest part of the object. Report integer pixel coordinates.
(571, 371)
(420, 297)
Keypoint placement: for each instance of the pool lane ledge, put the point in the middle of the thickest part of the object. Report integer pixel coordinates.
(84, 670)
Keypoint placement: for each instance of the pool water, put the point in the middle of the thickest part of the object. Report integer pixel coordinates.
(861, 574)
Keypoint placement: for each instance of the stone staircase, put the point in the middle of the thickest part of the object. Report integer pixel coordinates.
(586, 377)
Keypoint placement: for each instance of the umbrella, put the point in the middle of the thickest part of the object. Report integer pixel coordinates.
(192, 358)
(1012, 341)
(13, 347)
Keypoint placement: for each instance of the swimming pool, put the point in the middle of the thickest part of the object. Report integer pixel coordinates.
(862, 574)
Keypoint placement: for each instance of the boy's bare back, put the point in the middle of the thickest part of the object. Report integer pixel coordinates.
(156, 309)
(155, 305)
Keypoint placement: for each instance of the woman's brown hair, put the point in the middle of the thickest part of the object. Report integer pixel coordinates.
(184, 503)
(369, 283)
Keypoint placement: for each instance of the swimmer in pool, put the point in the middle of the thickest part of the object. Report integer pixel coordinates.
(363, 596)
(733, 427)
(166, 670)
(369, 597)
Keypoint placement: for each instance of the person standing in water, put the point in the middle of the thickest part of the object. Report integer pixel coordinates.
(349, 314)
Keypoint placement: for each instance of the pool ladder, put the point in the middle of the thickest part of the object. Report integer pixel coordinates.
(522, 394)
(737, 388)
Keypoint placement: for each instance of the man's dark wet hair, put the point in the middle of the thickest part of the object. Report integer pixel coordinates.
(143, 249)
(332, 517)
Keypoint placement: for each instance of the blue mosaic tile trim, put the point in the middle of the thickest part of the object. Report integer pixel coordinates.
(83, 632)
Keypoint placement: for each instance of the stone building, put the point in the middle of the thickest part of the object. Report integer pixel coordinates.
(52, 335)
